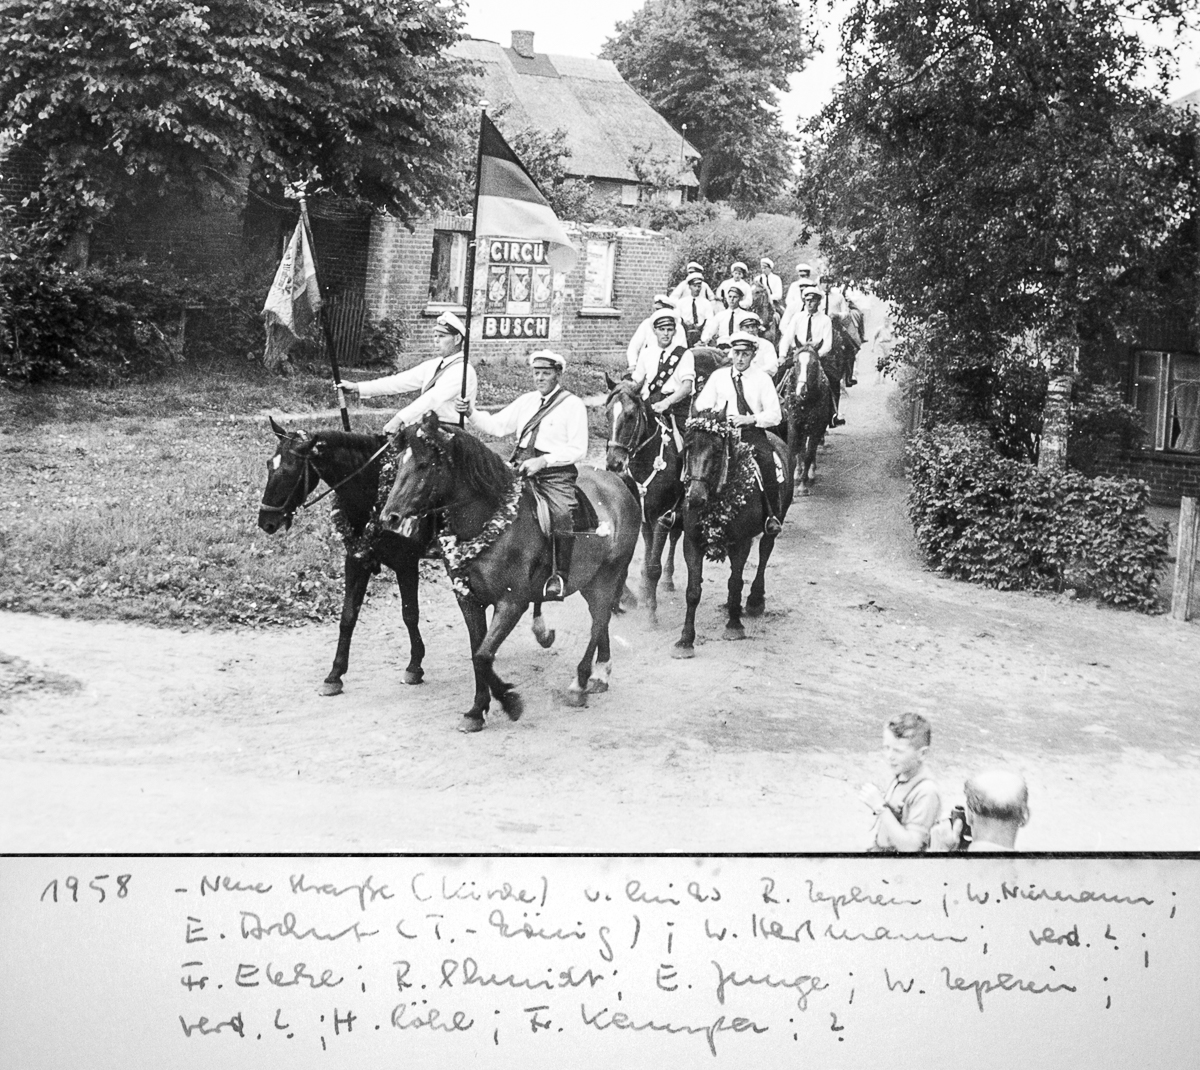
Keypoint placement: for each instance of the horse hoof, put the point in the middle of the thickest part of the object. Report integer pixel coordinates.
(755, 608)
(735, 633)
(596, 686)
(470, 724)
(667, 584)
(331, 687)
(512, 704)
(414, 676)
(804, 491)
(546, 638)
(680, 651)
(574, 697)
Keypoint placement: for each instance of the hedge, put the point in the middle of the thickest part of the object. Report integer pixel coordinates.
(982, 517)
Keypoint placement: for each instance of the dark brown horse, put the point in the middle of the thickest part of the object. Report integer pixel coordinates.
(350, 463)
(714, 468)
(806, 412)
(502, 559)
(641, 446)
(762, 305)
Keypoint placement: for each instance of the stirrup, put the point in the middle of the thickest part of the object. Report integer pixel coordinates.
(554, 589)
(772, 522)
(667, 519)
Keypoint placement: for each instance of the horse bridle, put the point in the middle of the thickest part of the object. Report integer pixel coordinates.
(633, 451)
(726, 453)
(264, 507)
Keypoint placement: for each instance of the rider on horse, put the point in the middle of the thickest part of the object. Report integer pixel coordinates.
(438, 380)
(766, 359)
(771, 283)
(643, 337)
(722, 323)
(810, 327)
(551, 430)
(748, 396)
(739, 275)
(665, 373)
(683, 288)
(694, 308)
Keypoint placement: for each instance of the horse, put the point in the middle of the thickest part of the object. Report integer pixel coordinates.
(806, 412)
(500, 557)
(641, 447)
(350, 464)
(716, 471)
(762, 305)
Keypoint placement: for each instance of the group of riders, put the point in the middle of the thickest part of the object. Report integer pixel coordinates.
(550, 423)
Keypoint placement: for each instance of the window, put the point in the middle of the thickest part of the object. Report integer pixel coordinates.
(630, 193)
(601, 254)
(1166, 390)
(448, 268)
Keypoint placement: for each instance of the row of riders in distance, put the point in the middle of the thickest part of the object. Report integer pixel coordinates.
(541, 527)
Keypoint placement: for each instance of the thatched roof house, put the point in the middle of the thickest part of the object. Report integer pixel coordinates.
(606, 121)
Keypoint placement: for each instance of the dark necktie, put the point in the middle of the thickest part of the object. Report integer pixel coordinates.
(693, 312)
(743, 406)
(808, 329)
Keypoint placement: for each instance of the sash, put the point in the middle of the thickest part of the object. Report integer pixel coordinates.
(535, 421)
(743, 406)
(667, 363)
(440, 372)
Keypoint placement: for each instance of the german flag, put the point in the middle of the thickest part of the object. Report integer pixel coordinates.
(510, 205)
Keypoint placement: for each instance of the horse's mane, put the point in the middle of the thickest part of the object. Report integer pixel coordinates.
(480, 467)
(349, 440)
(626, 390)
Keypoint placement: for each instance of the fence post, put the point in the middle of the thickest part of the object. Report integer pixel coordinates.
(1185, 558)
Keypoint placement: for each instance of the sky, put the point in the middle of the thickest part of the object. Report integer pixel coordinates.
(580, 29)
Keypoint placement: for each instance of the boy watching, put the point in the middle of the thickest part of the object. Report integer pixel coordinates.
(911, 805)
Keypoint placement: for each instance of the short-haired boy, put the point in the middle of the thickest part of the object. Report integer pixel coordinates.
(910, 807)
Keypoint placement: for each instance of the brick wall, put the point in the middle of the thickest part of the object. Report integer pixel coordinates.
(20, 175)
(1170, 475)
(397, 287)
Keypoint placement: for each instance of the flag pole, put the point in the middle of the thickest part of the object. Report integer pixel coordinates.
(326, 329)
(469, 282)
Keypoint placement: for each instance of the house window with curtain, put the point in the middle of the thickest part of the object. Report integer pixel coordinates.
(1166, 391)
(448, 269)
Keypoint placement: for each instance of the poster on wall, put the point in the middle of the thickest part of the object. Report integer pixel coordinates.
(522, 297)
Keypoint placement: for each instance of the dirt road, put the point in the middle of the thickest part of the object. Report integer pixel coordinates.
(116, 737)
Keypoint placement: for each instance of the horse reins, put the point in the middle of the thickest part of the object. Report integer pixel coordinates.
(661, 431)
(264, 507)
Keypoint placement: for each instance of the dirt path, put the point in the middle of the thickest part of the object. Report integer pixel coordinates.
(117, 737)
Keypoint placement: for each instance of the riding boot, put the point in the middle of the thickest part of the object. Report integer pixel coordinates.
(561, 545)
(772, 525)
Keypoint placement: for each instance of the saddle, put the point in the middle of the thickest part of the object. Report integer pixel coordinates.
(583, 514)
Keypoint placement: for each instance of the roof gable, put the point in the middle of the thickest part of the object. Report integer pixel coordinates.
(606, 121)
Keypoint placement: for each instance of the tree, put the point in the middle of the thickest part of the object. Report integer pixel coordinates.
(122, 99)
(997, 170)
(718, 67)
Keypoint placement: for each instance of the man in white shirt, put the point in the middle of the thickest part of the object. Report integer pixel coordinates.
(666, 373)
(550, 424)
(739, 274)
(644, 335)
(681, 288)
(795, 295)
(809, 327)
(694, 309)
(772, 283)
(439, 381)
(722, 323)
(749, 398)
(766, 359)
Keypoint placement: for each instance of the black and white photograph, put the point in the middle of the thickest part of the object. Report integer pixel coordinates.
(667, 434)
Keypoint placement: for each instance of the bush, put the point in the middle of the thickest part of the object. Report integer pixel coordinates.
(1101, 421)
(719, 243)
(384, 342)
(989, 519)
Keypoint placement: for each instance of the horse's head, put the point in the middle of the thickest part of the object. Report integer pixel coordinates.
(708, 449)
(290, 479)
(627, 422)
(424, 474)
(807, 371)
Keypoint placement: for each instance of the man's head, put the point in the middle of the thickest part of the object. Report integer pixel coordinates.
(767, 263)
(906, 740)
(749, 323)
(662, 301)
(804, 272)
(448, 333)
(742, 347)
(997, 806)
(736, 294)
(695, 280)
(739, 270)
(664, 324)
(812, 299)
(547, 370)
(696, 268)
